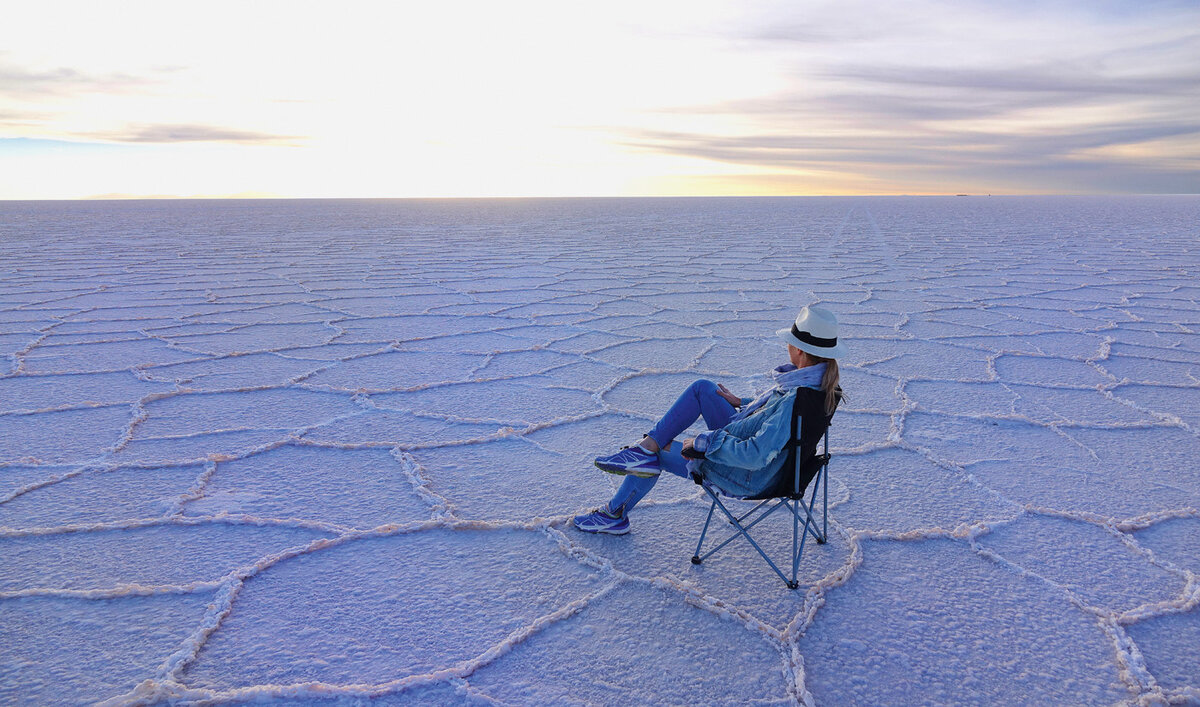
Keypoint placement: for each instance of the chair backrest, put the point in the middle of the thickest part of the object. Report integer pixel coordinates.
(796, 473)
(803, 470)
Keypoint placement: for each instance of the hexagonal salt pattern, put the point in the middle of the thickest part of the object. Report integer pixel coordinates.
(74, 652)
(328, 452)
(361, 612)
(581, 660)
(916, 619)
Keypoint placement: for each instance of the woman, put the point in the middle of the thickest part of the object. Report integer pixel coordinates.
(743, 451)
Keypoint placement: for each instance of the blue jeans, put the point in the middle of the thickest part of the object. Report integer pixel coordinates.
(701, 399)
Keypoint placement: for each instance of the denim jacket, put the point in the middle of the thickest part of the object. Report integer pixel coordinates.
(745, 459)
(749, 448)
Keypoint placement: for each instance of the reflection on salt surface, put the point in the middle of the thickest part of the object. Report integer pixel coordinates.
(194, 396)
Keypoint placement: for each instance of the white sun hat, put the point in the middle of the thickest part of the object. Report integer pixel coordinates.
(815, 331)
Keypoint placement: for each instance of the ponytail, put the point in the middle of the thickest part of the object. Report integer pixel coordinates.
(830, 384)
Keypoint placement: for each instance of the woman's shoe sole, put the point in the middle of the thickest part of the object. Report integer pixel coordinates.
(625, 472)
(606, 531)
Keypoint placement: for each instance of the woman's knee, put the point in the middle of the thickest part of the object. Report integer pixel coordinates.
(703, 386)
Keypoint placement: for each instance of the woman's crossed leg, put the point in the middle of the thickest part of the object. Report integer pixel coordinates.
(642, 463)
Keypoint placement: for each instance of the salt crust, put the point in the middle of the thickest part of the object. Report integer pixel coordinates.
(339, 465)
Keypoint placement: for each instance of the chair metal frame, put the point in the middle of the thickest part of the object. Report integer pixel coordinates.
(794, 502)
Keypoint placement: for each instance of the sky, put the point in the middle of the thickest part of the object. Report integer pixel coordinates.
(522, 98)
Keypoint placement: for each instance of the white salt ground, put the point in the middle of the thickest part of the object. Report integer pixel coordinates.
(310, 452)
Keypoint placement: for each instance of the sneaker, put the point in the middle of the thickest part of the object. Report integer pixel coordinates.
(631, 460)
(599, 521)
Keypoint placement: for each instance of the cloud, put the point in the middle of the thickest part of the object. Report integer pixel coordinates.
(1064, 160)
(808, 33)
(40, 89)
(1060, 80)
(868, 107)
(185, 132)
(21, 119)
(975, 98)
(19, 83)
(932, 146)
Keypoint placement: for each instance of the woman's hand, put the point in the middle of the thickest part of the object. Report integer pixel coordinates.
(689, 449)
(725, 393)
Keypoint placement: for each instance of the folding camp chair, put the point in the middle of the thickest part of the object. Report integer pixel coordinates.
(787, 493)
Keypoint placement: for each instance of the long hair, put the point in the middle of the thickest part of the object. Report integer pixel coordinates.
(830, 383)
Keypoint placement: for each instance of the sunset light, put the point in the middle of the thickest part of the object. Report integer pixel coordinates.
(623, 98)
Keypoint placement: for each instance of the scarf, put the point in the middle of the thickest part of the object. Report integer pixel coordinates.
(786, 378)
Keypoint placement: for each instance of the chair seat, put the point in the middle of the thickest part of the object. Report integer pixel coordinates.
(785, 487)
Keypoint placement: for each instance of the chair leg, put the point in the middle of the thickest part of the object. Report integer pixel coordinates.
(810, 523)
(795, 532)
(810, 527)
(696, 557)
(799, 536)
(745, 527)
(750, 512)
(818, 481)
(742, 531)
(825, 503)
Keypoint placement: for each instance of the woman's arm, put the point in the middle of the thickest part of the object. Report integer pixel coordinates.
(755, 451)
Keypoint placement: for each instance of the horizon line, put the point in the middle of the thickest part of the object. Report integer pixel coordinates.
(101, 198)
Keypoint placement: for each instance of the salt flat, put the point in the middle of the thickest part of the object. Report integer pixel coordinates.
(315, 452)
